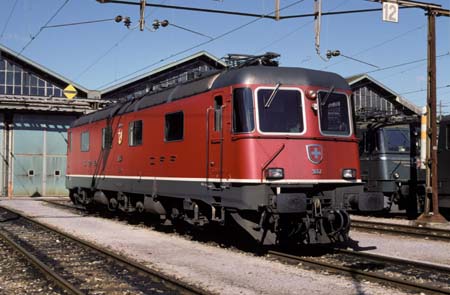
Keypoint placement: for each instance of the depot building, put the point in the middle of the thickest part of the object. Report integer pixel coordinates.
(35, 113)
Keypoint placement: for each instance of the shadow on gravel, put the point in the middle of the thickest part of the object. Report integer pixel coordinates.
(231, 236)
(6, 216)
(354, 245)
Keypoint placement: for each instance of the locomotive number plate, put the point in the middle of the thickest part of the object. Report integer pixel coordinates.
(316, 171)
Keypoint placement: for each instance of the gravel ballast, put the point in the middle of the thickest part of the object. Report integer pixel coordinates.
(225, 271)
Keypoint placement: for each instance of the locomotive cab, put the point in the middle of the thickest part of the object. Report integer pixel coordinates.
(270, 134)
(388, 154)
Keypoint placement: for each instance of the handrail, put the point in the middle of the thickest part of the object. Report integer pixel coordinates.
(271, 159)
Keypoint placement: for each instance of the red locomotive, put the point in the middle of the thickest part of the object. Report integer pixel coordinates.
(272, 148)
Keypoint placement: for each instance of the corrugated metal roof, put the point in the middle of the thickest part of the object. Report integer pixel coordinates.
(42, 68)
(166, 67)
(50, 104)
(395, 96)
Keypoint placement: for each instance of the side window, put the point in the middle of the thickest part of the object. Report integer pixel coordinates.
(174, 126)
(85, 141)
(106, 138)
(243, 110)
(135, 133)
(218, 103)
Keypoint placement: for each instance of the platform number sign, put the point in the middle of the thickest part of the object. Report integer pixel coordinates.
(390, 12)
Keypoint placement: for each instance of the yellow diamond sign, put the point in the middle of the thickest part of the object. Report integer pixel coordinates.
(70, 91)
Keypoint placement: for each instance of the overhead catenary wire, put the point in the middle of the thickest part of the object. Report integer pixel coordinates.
(42, 28)
(401, 72)
(294, 30)
(8, 19)
(199, 44)
(237, 13)
(189, 30)
(406, 63)
(79, 23)
(108, 51)
(400, 65)
(157, 24)
(378, 45)
(422, 90)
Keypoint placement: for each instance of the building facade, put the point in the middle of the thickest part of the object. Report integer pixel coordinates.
(370, 97)
(34, 118)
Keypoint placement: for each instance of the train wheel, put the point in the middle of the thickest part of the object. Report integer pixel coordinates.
(113, 204)
(72, 196)
(81, 197)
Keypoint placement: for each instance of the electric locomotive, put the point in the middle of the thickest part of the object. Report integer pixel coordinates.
(389, 161)
(271, 148)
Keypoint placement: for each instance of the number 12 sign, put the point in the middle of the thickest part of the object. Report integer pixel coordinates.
(390, 12)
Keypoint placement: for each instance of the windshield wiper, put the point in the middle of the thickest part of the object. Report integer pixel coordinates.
(327, 96)
(272, 96)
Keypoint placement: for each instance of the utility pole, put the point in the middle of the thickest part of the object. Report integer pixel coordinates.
(431, 165)
(277, 10)
(432, 171)
(142, 15)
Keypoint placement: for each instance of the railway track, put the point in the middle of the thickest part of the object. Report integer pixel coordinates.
(20, 276)
(398, 229)
(404, 274)
(48, 273)
(79, 267)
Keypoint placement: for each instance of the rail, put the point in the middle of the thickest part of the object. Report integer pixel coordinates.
(133, 267)
(413, 231)
(372, 267)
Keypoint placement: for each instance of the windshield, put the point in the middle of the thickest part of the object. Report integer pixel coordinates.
(334, 113)
(281, 112)
(396, 140)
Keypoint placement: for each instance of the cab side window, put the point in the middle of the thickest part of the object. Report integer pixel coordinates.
(106, 138)
(218, 103)
(85, 141)
(135, 133)
(243, 110)
(174, 126)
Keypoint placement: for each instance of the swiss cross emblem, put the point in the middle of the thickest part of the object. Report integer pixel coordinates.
(315, 153)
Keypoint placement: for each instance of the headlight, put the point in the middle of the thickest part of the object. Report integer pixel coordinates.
(275, 173)
(349, 173)
(396, 175)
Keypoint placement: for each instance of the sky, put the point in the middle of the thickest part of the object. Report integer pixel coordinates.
(100, 54)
